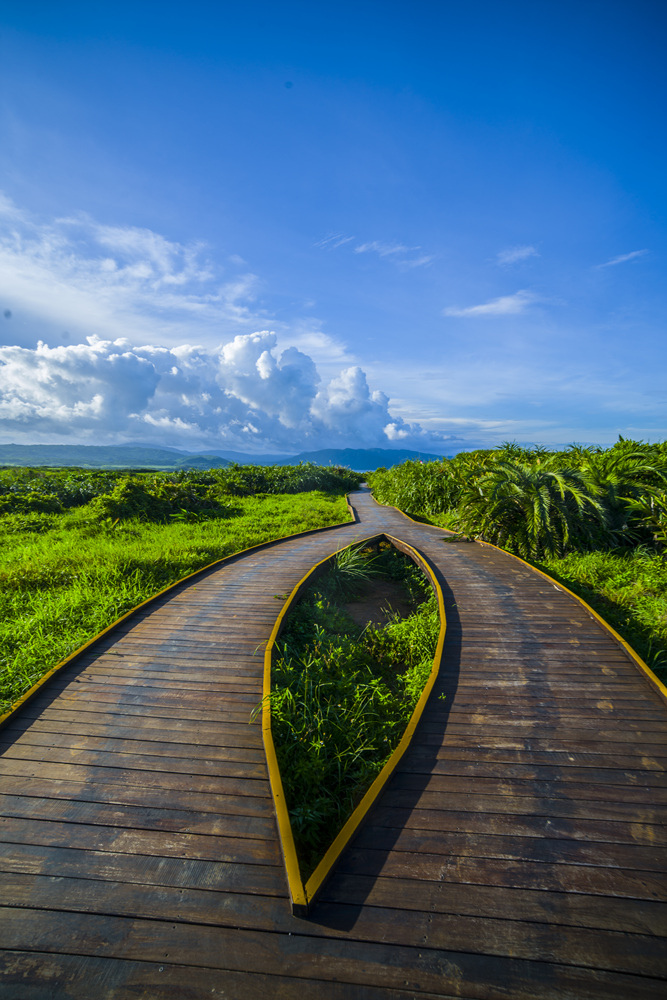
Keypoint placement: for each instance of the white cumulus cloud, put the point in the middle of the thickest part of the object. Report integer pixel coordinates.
(246, 395)
(132, 302)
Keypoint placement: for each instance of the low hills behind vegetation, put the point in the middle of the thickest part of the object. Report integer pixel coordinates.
(147, 457)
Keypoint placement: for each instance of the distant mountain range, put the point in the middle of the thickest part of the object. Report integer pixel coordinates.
(105, 456)
(148, 457)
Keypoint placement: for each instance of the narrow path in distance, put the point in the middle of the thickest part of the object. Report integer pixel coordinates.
(518, 851)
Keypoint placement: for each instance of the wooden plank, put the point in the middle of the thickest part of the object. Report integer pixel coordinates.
(244, 780)
(197, 804)
(607, 731)
(251, 824)
(593, 879)
(566, 713)
(514, 788)
(352, 962)
(224, 734)
(442, 821)
(160, 690)
(108, 706)
(569, 909)
(537, 941)
(193, 873)
(545, 849)
(44, 737)
(166, 844)
(534, 743)
(481, 767)
(472, 801)
(30, 976)
(568, 757)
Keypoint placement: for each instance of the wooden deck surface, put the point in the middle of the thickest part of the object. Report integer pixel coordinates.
(517, 853)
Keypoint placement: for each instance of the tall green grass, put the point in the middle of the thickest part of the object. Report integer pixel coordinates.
(340, 700)
(66, 576)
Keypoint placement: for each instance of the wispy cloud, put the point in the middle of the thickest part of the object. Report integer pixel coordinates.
(7, 207)
(622, 258)
(399, 253)
(506, 305)
(383, 249)
(333, 241)
(76, 274)
(515, 254)
(403, 256)
(411, 262)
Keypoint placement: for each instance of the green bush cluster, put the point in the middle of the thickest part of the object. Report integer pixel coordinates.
(538, 503)
(160, 500)
(159, 497)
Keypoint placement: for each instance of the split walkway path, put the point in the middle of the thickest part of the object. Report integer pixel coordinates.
(517, 853)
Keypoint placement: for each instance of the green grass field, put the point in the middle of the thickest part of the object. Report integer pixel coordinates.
(66, 576)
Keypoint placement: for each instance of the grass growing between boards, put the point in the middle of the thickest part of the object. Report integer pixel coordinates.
(340, 700)
(64, 577)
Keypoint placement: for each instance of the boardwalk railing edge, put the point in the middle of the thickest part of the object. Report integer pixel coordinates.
(643, 667)
(303, 896)
(31, 692)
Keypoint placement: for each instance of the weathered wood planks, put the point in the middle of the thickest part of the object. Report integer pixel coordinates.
(518, 851)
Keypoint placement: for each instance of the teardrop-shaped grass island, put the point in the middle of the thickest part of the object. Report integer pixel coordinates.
(349, 663)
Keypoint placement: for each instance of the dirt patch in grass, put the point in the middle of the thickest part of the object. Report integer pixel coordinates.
(379, 602)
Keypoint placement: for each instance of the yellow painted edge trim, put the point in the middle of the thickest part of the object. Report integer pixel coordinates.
(652, 678)
(323, 870)
(644, 667)
(31, 692)
(420, 524)
(294, 880)
(304, 896)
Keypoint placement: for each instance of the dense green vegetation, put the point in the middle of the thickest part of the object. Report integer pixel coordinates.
(82, 548)
(594, 518)
(342, 696)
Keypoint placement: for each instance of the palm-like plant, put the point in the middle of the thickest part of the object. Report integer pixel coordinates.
(621, 477)
(648, 513)
(532, 510)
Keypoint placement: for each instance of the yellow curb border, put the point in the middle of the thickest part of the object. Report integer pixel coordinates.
(303, 896)
(31, 692)
(643, 667)
(635, 657)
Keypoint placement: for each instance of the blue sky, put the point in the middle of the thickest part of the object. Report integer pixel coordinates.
(277, 227)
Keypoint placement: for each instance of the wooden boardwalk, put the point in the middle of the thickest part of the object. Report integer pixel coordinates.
(517, 853)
